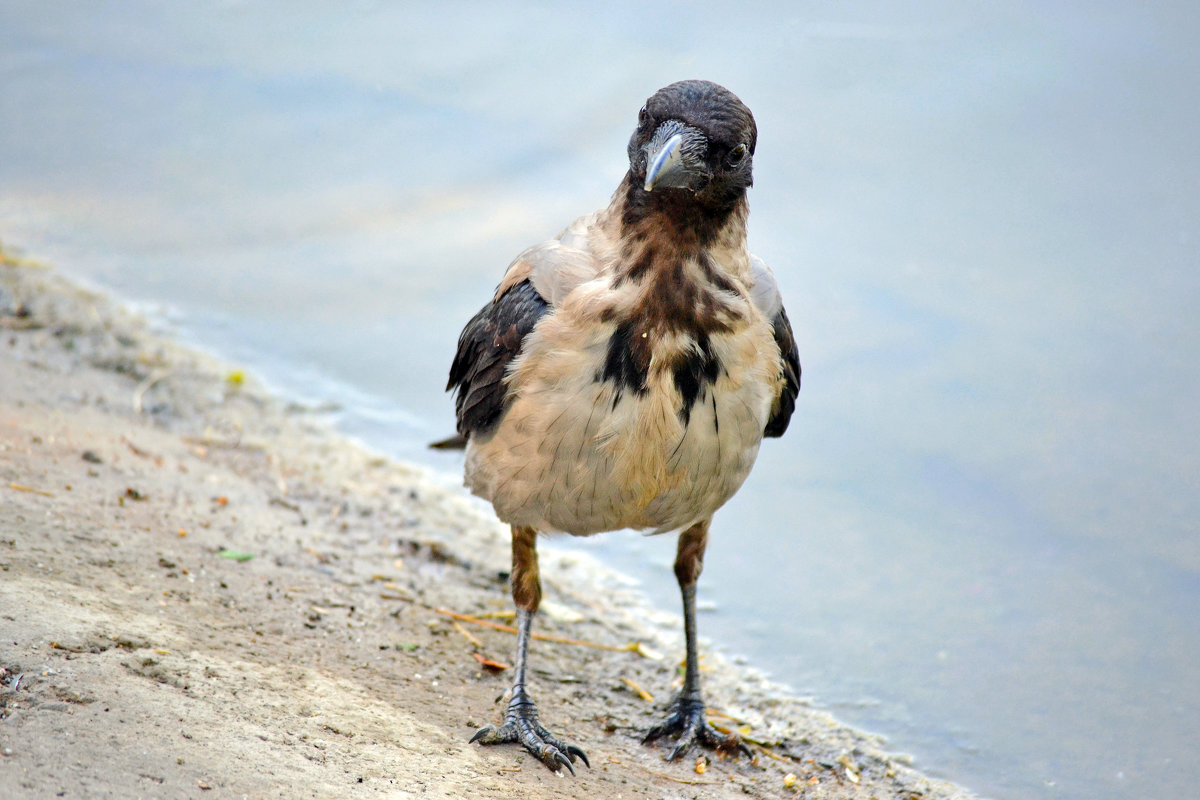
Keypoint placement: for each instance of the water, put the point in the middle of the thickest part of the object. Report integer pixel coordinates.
(978, 538)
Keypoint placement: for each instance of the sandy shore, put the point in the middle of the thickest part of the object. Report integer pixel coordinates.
(204, 592)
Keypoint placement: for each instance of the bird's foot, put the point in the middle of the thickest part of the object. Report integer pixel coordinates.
(687, 719)
(521, 725)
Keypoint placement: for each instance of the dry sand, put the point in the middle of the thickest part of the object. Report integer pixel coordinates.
(137, 659)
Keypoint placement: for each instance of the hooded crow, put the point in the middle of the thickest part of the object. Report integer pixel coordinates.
(624, 374)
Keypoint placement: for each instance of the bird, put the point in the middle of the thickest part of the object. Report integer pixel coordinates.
(623, 376)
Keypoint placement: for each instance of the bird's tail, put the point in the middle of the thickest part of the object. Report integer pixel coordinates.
(455, 442)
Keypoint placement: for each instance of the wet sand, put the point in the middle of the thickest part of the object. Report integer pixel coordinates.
(206, 592)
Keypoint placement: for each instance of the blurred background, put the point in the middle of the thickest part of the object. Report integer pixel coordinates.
(979, 537)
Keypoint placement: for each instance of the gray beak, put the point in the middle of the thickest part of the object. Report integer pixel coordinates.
(675, 158)
(665, 163)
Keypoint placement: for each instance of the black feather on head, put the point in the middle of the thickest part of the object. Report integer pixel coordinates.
(712, 108)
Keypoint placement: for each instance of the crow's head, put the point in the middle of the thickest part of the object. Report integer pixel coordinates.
(697, 137)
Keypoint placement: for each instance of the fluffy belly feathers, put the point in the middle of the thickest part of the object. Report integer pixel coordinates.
(579, 453)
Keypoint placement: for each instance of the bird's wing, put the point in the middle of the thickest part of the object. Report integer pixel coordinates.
(536, 282)
(486, 346)
(764, 292)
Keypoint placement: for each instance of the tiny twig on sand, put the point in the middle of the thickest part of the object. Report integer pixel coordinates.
(638, 690)
(688, 781)
(18, 487)
(470, 637)
(497, 666)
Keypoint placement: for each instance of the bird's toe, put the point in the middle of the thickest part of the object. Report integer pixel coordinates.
(521, 727)
(550, 751)
(688, 720)
(569, 750)
(492, 734)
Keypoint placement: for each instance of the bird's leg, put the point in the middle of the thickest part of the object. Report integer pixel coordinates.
(521, 718)
(687, 711)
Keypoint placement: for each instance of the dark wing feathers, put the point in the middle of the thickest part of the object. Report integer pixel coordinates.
(487, 345)
(785, 404)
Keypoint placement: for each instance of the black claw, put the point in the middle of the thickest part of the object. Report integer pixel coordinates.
(671, 725)
(521, 726)
(687, 719)
(574, 751)
(563, 760)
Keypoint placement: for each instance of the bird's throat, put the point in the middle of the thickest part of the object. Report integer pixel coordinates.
(689, 220)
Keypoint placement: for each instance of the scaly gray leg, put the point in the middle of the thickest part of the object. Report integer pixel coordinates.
(521, 718)
(687, 710)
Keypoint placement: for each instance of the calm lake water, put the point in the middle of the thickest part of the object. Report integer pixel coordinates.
(979, 537)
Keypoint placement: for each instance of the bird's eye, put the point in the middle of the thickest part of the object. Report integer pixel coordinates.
(737, 154)
(643, 114)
